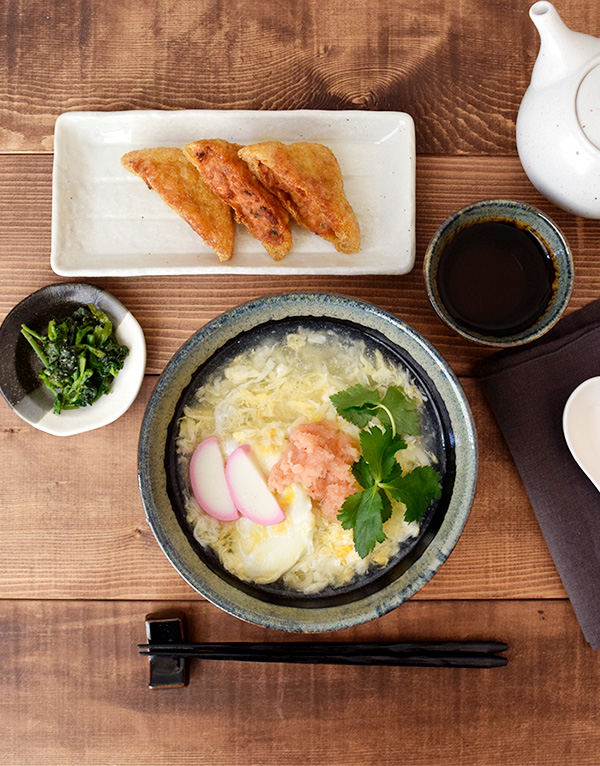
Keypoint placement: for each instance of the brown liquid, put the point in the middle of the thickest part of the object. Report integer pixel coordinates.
(495, 278)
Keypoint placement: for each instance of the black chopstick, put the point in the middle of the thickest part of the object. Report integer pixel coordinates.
(482, 654)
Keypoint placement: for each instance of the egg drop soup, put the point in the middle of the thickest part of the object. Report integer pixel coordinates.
(275, 397)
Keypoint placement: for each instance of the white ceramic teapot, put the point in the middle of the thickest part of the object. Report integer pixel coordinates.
(558, 125)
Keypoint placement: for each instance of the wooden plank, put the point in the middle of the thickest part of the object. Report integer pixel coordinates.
(75, 692)
(171, 309)
(78, 529)
(437, 61)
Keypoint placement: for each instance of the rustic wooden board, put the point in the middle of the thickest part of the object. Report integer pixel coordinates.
(79, 531)
(79, 566)
(459, 71)
(72, 677)
(171, 309)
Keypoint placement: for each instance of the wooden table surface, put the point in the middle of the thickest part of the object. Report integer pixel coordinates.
(79, 566)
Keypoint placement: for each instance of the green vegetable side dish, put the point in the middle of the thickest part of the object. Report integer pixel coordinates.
(81, 357)
(377, 471)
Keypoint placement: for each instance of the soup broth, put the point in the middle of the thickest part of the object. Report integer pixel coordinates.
(257, 398)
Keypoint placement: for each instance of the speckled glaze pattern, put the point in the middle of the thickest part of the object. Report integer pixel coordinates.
(527, 216)
(153, 480)
(19, 383)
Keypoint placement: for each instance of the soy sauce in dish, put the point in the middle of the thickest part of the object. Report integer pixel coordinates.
(495, 278)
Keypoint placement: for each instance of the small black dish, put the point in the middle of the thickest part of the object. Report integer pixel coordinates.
(499, 272)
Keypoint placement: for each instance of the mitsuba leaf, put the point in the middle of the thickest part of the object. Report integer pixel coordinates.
(368, 528)
(379, 450)
(359, 405)
(416, 490)
(360, 471)
(386, 507)
(363, 512)
(347, 514)
(403, 410)
(389, 464)
(356, 404)
(372, 444)
(378, 472)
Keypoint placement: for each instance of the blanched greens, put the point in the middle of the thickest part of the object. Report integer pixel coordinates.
(81, 357)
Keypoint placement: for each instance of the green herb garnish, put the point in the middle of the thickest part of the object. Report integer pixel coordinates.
(80, 355)
(359, 405)
(377, 471)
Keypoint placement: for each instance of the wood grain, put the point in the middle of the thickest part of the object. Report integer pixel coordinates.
(72, 678)
(460, 72)
(171, 309)
(79, 565)
(79, 531)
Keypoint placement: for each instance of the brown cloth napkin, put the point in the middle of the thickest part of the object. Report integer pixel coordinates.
(527, 389)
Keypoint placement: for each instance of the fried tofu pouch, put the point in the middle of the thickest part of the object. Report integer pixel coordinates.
(306, 177)
(178, 183)
(230, 179)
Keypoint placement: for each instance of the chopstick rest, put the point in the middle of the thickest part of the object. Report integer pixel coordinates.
(166, 671)
(457, 654)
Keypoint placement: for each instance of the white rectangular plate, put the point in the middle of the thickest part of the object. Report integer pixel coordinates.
(106, 222)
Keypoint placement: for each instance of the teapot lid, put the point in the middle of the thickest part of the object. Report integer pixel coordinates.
(588, 105)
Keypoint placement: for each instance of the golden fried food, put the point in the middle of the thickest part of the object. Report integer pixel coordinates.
(306, 177)
(178, 183)
(254, 206)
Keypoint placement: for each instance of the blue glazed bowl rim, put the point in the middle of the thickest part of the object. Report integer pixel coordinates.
(152, 478)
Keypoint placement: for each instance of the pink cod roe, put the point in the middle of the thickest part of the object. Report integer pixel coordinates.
(320, 457)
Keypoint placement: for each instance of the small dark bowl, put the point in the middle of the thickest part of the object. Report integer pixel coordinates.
(524, 217)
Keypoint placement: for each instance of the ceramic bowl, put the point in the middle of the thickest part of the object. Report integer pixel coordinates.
(19, 365)
(526, 218)
(373, 594)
